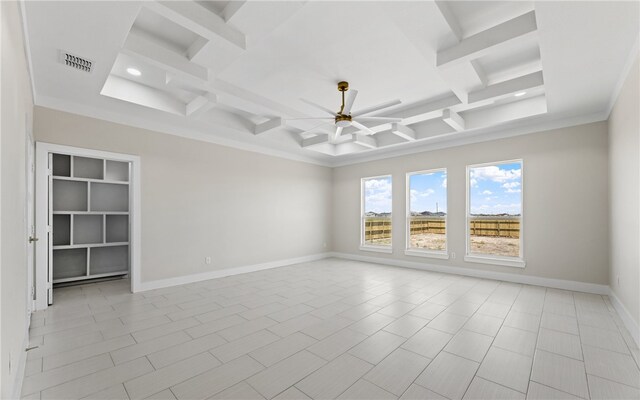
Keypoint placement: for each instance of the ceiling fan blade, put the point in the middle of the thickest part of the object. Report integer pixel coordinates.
(377, 108)
(337, 134)
(297, 119)
(319, 107)
(379, 119)
(349, 103)
(362, 127)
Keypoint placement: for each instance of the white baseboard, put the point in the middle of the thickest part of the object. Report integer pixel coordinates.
(479, 273)
(629, 322)
(181, 280)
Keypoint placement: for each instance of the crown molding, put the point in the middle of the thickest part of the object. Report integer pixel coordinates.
(455, 139)
(188, 133)
(624, 74)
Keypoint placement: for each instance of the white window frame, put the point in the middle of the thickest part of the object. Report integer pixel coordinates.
(411, 251)
(518, 262)
(370, 247)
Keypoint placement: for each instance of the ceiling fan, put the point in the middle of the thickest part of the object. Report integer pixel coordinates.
(343, 118)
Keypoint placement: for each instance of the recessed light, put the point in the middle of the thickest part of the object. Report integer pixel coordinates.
(133, 71)
(520, 94)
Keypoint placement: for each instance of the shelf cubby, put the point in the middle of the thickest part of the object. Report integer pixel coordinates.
(61, 229)
(61, 165)
(90, 168)
(117, 171)
(69, 263)
(117, 228)
(69, 195)
(109, 259)
(87, 229)
(109, 197)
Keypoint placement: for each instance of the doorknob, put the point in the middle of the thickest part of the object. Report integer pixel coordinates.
(33, 239)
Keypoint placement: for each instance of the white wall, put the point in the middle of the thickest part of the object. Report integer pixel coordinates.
(565, 201)
(200, 199)
(624, 197)
(17, 106)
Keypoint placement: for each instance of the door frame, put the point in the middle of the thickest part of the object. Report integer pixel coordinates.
(42, 213)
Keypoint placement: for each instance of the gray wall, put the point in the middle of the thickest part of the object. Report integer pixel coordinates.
(624, 179)
(200, 199)
(17, 107)
(565, 201)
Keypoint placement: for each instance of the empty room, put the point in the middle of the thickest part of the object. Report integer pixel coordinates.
(254, 199)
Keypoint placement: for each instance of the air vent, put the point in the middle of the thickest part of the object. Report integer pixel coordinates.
(73, 61)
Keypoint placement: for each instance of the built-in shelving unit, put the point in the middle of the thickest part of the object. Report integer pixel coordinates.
(89, 214)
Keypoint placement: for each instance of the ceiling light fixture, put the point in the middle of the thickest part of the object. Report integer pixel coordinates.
(520, 94)
(133, 71)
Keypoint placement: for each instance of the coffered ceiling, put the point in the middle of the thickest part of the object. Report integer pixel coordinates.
(250, 73)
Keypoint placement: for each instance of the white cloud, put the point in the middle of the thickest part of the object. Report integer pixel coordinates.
(513, 208)
(415, 194)
(495, 174)
(378, 195)
(511, 185)
(512, 191)
(487, 192)
(473, 181)
(444, 183)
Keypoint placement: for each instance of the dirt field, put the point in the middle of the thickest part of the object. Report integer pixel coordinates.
(495, 245)
(379, 242)
(428, 241)
(479, 244)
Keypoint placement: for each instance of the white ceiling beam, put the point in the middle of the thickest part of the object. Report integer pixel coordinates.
(403, 131)
(488, 41)
(231, 9)
(507, 88)
(268, 126)
(364, 140)
(200, 20)
(196, 47)
(315, 141)
(138, 46)
(422, 111)
(450, 18)
(200, 105)
(453, 119)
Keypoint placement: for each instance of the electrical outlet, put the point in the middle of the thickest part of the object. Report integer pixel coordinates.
(207, 260)
(453, 255)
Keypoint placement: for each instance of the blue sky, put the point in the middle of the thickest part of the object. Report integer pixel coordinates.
(496, 189)
(377, 195)
(428, 189)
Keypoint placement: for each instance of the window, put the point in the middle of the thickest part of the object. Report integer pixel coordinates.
(427, 213)
(376, 213)
(494, 213)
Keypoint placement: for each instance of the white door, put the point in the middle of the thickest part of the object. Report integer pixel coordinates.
(31, 227)
(43, 288)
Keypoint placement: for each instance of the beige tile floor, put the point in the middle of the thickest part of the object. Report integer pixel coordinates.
(330, 329)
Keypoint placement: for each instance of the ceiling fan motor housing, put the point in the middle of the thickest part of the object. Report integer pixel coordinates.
(343, 121)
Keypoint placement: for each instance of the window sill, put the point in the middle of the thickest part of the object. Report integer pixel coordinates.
(377, 249)
(426, 254)
(517, 263)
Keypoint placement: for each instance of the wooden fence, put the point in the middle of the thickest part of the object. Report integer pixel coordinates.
(376, 228)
